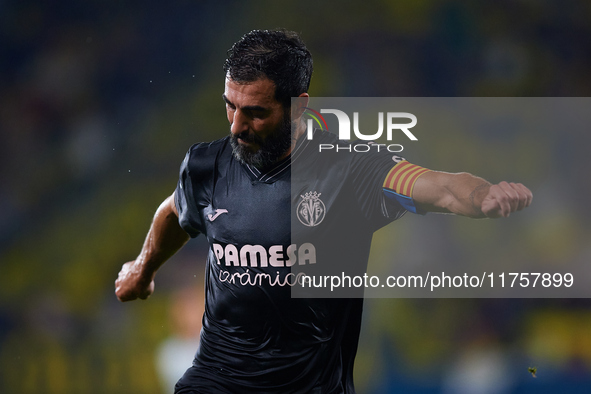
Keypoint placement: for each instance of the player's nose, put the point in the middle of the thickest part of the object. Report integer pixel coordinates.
(239, 123)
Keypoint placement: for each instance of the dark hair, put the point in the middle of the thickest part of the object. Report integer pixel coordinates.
(279, 55)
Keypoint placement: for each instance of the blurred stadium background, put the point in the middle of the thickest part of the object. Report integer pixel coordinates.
(99, 101)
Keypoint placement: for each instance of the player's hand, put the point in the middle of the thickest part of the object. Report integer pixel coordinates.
(131, 284)
(504, 198)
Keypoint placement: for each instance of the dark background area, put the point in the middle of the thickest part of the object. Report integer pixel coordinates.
(99, 101)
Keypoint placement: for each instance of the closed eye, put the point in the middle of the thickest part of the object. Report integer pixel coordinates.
(228, 102)
(253, 111)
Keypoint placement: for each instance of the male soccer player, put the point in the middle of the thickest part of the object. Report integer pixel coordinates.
(237, 191)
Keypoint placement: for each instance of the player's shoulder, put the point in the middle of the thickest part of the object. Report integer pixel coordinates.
(206, 149)
(203, 157)
(355, 155)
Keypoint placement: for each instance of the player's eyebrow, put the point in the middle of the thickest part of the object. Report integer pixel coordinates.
(247, 107)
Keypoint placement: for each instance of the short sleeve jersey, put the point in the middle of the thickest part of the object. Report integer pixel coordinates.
(309, 212)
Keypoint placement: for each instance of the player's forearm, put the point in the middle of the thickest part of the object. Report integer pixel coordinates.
(164, 239)
(468, 193)
(461, 193)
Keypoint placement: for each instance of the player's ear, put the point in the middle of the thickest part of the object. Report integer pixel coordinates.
(299, 105)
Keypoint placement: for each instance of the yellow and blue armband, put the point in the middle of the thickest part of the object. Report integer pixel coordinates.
(400, 181)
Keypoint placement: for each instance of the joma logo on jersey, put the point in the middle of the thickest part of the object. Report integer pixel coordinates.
(311, 209)
(259, 256)
(392, 119)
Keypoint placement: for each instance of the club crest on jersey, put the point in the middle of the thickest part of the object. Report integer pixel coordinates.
(311, 209)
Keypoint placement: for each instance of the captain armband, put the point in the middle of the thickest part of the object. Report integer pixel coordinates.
(400, 181)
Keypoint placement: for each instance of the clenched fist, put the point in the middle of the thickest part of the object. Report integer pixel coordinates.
(504, 198)
(131, 284)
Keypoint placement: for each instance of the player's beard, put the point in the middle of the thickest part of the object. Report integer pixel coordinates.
(271, 148)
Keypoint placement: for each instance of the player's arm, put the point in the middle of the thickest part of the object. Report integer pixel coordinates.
(165, 238)
(468, 195)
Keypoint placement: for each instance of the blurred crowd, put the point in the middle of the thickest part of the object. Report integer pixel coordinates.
(99, 101)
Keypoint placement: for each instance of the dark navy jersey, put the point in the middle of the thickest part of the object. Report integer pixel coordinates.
(313, 213)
